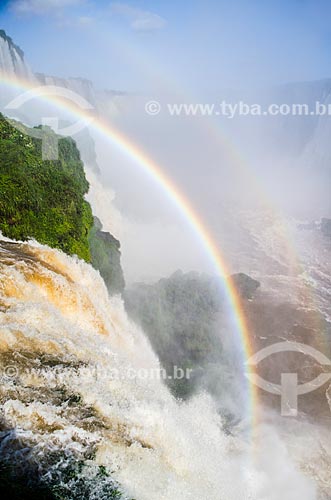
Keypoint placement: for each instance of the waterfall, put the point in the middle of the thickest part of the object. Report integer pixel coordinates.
(80, 380)
(12, 59)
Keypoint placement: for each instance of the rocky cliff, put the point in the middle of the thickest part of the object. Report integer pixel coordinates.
(44, 200)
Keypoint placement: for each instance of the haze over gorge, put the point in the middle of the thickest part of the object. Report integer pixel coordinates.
(147, 260)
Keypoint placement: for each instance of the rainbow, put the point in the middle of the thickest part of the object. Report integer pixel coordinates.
(153, 170)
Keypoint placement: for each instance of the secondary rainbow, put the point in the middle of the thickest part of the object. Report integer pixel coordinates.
(178, 199)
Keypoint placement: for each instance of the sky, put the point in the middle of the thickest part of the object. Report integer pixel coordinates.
(206, 45)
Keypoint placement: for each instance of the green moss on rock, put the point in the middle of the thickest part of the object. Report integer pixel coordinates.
(43, 199)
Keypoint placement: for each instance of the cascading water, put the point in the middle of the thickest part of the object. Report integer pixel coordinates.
(12, 59)
(80, 385)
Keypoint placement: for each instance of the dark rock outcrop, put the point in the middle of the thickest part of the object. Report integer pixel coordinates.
(106, 257)
(245, 285)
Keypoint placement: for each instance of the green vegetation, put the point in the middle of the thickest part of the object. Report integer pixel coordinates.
(182, 317)
(43, 199)
(179, 316)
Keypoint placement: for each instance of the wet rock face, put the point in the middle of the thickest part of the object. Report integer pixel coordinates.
(245, 285)
(326, 227)
(106, 257)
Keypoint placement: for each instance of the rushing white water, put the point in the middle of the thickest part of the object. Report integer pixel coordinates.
(11, 61)
(78, 375)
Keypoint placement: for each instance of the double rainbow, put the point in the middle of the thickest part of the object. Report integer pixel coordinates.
(153, 170)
